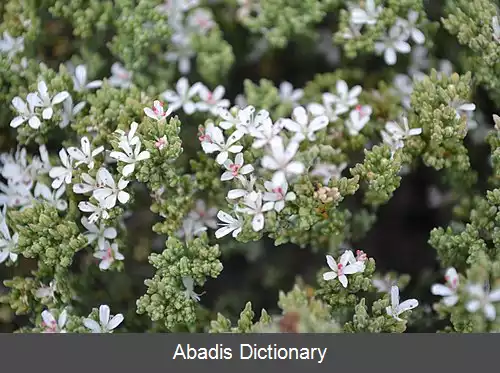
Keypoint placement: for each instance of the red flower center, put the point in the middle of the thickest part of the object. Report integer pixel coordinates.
(340, 269)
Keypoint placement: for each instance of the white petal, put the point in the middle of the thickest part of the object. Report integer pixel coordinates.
(490, 312)
(329, 276)
(394, 296)
(221, 232)
(441, 290)
(473, 305)
(115, 321)
(407, 305)
(34, 122)
(104, 312)
(343, 280)
(92, 325)
(331, 263)
(60, 97)
(258, 222)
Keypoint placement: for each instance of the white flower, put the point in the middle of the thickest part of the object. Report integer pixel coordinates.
(229, 224)
(410, 26)
(301, 125)
(157, 112)
(101, 233)
(88, 185)
(47, 102)
(45, 292)
(395, 41)
(495, 28)
(347, 266)
(403, 85)
(15, 194)
(281, 160)
(290, 95)
(245, 121)
(265, 133)
(200, 20)
(182, 52)
(326, 108)
(120, 77)
(212, 101)
(345, 97)
(396, 308)
(368, 15)
(64, 173)
(107, 253)
(358, 118)
(401, 131)
(51, 325)
(26, 111)
(129, 156)
(129, 138)
(236, 168)
(110, 192)
(448, 291)
(328, 171)
(384, 285)
(203, 215)
(8, 243)
(462, 108)
(80, 80)
(247, 184)
(188, 283)
(191, 228)
(214, 142)
(107, 323)
(85, 154)
(97, 211)
(253, 206)
(10, 45)
(393, 142)
(482, 299)
(278, 194)
(69, 111)
(183, 96)
(52, 197)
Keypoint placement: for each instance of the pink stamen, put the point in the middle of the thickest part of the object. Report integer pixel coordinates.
(340, 269)
(210, 98)
(361, 256)
(202, 136)
(279, 191)
(109, 253)
(160, 143)
(235, 168)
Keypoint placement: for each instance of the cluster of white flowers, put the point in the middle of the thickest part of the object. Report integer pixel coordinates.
(29, 110)
(10, 45)
(106, 324)
(280, 160)
(345, 100)
(478, 296)
(395, 133)
(195, 98)
(186, 19)
(397, 37)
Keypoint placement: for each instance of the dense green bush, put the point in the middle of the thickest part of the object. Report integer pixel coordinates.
(181, 165)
